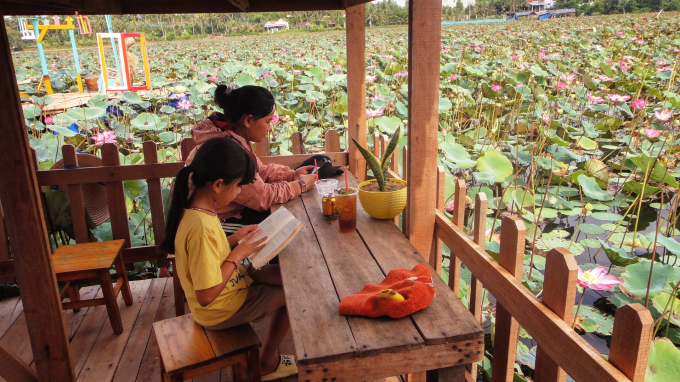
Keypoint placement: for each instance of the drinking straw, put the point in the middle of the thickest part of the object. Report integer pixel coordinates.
(346, 182)
(317, 171)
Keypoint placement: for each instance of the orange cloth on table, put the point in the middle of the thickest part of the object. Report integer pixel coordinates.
(414, 285)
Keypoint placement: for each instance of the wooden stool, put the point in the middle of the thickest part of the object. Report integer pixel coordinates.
(187, 350)
(93, 261)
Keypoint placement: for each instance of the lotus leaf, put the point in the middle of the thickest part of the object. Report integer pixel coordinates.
(496, 164)
(670, 243)
(618, 256)
(664, 302)
(591, 229)
(636, 276)
(148, 121)
(607, 216)
(663, 364)
(594, 321)
(592, 190)
(558, 238)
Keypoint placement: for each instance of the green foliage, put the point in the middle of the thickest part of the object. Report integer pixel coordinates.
(381, 168)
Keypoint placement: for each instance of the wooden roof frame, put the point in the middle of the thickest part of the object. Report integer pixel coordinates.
(19, 191)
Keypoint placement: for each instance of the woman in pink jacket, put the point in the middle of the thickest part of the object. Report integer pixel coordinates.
(248, 112)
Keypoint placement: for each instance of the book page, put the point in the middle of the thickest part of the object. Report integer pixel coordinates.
(272, 225)
(263, 255)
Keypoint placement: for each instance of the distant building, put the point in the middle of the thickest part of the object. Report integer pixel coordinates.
(273, 26)
(304, 25)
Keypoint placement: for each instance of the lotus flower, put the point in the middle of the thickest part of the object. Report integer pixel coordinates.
(265, 74)
(595, 99)
(275, 119)
(48, 120)
(619, 98)
(569, 77)
(214, 78)
(104, 137)
(496, 87)
(184, 104)
(514, 57)
(597, 279)
(663, 115)
(454, 77)
(297, 71)
(449, 208)
(638, 104)
(561, 85)
(371, 113)
(651, 133)
(371, 79)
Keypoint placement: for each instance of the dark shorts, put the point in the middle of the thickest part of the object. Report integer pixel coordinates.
(255, 306)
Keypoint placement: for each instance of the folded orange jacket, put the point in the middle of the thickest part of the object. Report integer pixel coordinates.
(401, 293)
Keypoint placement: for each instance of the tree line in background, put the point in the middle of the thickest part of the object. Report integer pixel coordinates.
(388, 12)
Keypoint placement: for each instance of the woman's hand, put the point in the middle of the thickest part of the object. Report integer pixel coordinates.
(309, 180)
(301, 171)
(240, 234)
(248, 246)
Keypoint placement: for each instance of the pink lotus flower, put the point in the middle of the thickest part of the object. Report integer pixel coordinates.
(214, 78)
(104, 137)
(203, 72)
(193, 67)
(496, 87)
(296, 71)
(651, 133)
(619, 98)
(560, 85)
(48, 120)
(660, 62)
(520, 84)
(514, 57)
(265, 74)
(595, 99)
(454, 77)
(569, 77)
(664, 69)
(371, 79)
(449, 208)
(597, 279)
(371, 113)
(184, 104)
(638, 104)
(663, 115)
(275, 119)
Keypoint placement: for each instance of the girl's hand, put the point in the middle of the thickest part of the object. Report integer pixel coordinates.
(240, 234)
(248, 246)
(301, 171)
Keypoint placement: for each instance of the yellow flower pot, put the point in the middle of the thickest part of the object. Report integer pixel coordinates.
(383, 205)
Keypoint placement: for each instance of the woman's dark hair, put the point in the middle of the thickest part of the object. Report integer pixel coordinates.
(246, 100)
(217, 158)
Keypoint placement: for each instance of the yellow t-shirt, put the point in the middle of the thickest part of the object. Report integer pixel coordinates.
(201, 247)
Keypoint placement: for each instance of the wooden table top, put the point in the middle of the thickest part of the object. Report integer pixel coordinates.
(322, 265)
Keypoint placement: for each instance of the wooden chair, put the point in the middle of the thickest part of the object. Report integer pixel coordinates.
(93, 261)
(187, 350)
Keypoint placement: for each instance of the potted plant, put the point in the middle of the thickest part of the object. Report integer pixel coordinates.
(382, 198)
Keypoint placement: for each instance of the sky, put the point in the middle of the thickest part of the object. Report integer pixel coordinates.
(400, 2)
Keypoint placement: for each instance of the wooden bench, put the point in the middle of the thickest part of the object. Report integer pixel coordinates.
(187, 350)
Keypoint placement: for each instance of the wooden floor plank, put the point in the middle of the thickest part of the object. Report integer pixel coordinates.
(73, 319)
(7, 317)
(87, 334)
(107, 350)
(149, 370)
(16, 339)
(129, 364)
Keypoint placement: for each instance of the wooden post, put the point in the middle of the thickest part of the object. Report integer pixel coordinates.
(631, 338)
(115, 196)
(458, 220)
(332, 141)
(75, 197)
(437, 244)
(376, 145)
(26, 228)
(356, 87)
(296, 143)
(155, 199)
(424, 36)
(507, 329)
(262, 148)
(559, 292)
(404, 175)
(4, 249)
(186, 147)
(476, 289)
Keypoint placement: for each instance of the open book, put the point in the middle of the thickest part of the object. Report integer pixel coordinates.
(280, 228)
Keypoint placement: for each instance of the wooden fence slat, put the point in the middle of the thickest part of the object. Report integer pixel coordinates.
(458, 220)
(262, 147)
(384, 141)
(510, 257)
(476, 289)
(438, 245)
(75, 196)
(186, 146)
(115, 195)
(13, 368)
(631, 339)
(394, 164)
(4, 250)
(332, 141)
(356, 87)
(559, 292)
(376, 145)
(404, 215)
(155, 197)
(296, 143)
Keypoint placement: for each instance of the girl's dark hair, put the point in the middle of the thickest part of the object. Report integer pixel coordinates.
(246, 100)
(217, 158)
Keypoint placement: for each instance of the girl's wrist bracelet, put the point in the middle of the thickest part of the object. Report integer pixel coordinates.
(233, 262)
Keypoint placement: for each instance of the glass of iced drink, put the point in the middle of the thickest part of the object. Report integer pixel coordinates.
(346, 203)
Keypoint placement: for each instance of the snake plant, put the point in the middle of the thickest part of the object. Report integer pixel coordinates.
(379, 167)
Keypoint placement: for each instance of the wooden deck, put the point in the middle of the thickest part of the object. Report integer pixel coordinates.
(98, 354)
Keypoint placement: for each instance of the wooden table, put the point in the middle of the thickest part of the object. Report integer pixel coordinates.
(322, 265)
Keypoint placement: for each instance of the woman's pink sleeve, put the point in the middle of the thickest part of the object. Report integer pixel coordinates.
(260, 196)
(274, 173)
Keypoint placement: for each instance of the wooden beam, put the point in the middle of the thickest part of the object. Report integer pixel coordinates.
(243, 5)
(27, 231)
(559, 340)
(424, 36)
(67, 6)
(356, 88)
(13, 368)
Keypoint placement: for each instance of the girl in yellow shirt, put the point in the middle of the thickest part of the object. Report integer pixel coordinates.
(220, 292)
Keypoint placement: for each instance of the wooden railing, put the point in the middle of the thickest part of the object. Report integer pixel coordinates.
(112, 174)
(560, 349)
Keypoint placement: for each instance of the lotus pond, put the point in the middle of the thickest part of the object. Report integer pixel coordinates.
(571, 124)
